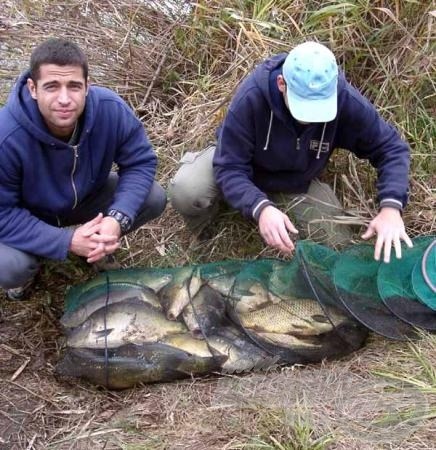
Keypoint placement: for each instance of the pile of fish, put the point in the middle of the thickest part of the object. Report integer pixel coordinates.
(148, 325)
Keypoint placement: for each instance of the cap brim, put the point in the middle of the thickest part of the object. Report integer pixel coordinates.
(313, 110)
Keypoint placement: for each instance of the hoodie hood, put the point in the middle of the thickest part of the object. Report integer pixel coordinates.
(262, 77)
(271, 68)
(26, 112)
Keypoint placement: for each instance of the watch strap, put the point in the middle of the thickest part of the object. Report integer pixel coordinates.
(124, 220)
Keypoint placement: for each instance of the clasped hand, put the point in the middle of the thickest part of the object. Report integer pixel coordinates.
(97, 238)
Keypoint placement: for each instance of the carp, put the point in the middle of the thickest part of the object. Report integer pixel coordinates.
(205, 312)
(103, 297)
(300, 317)
(175, 296)
(128, 321)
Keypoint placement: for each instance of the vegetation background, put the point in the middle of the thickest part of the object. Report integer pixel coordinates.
(177, 64)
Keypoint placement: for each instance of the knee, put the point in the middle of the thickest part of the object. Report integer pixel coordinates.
(16, 268)
(181, 195)
(156, 200)
(189, 197)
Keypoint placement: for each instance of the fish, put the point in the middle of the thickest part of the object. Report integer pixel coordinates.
(128, 321)
(130, 277)
(256, 297)
(155, 281)
(242, 355)
(301, 317)
(131, 364)
(205, 312)
(222, 283)
(187, 343)
(289, 341)
(175, 296)
(116, 293)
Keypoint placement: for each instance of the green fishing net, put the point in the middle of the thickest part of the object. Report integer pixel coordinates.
(247, 314)
(398, 280)
(424, 276)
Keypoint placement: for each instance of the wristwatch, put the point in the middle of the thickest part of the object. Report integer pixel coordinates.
(124, 220)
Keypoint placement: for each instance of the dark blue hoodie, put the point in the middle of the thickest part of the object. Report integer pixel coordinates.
(261, 148)
(43, 178)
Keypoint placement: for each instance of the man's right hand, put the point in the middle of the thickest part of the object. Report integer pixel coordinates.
(274, 227)
(87, 240)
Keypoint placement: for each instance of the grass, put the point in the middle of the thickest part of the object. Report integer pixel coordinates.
(178, 74)
(279, 431)
(425, 379)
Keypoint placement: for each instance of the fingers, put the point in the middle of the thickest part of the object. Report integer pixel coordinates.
(88, 230)
(290, 226)
(279, 239)
(387, 250)
(92, 226)
(110, 248)
(406, 239)
(95, 221)
(285, 242)
(397, 247)
(102, 250)
(369, 233)
(104, 238)
(397, 243)
(386, 242)
(95, 257)
(282, 242)
(378, 247)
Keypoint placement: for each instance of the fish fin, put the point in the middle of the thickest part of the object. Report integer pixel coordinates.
(103, 333)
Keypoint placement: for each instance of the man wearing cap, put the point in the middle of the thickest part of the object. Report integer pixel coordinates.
(282, 125)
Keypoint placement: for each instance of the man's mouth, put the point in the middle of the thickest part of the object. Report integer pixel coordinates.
(64, 113)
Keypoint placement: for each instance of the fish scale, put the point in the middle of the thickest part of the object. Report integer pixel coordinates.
(302, 317)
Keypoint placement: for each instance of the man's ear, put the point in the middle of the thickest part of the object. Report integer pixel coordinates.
(281, 84)
(32, 88)
(87, 86)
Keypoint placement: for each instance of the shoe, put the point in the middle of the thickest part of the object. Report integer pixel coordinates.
(107, 263)
(20, 292)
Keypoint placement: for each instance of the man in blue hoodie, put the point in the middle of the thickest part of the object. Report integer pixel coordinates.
(59, 138)
(284, 122)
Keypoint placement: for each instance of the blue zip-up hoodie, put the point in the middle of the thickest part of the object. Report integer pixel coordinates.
(43, 178)
(260, 150)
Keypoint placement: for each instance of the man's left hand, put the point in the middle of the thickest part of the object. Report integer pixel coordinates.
(109, 227)
(389, 227)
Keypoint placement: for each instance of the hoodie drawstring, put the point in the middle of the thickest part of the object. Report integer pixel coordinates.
(321, 141)
(269, 131)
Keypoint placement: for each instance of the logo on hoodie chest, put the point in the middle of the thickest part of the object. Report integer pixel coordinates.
(314, 145)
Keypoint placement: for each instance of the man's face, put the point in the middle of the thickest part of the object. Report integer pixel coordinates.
(60, 92)
(281, 84)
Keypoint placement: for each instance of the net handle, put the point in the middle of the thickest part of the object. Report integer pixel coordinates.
(424, 266)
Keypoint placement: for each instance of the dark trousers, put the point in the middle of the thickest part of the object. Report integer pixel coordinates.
(16, 266)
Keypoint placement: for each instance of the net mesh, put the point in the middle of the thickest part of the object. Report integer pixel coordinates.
(240, 315)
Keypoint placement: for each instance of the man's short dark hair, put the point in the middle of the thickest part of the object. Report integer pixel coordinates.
(60, 52)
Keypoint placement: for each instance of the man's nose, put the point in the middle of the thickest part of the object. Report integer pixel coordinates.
(64, 96)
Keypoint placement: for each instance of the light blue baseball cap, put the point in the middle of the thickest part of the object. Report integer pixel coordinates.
(311, 75)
